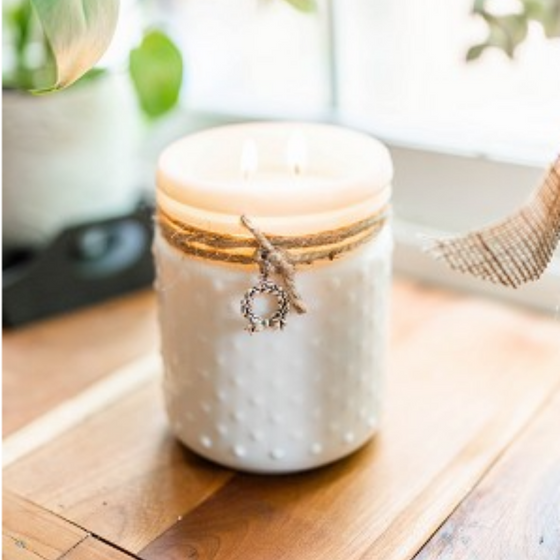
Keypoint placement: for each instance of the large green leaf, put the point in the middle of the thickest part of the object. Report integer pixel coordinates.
(78, 33)
(156, 68)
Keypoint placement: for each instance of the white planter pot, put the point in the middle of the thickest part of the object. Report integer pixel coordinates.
(68, 158)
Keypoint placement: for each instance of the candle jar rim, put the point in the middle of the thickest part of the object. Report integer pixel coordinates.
(347, 173)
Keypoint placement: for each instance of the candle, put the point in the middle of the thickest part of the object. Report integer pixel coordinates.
(273, 270)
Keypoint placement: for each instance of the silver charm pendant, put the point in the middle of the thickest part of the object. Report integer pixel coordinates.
(277, 319)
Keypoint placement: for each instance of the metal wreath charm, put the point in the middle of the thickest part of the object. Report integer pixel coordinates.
(277, 320)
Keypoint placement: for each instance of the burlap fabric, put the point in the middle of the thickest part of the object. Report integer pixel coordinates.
(516, 250)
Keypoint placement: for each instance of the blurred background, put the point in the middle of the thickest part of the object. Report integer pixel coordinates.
(466, 93)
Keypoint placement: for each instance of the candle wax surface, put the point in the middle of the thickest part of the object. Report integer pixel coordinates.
(203, 174)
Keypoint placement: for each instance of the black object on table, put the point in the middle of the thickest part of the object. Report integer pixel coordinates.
(85, 264)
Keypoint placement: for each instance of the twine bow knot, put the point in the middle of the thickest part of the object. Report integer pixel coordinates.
(270, 257)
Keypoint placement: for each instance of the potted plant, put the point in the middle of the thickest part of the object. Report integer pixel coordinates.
(70, 158)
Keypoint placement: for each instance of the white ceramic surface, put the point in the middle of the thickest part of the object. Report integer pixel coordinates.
(274, 401)
(68, 158)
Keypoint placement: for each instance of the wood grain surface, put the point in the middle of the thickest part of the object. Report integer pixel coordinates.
(13, 550)
(50, 361)
(466, 378)
(75, 410)
(120, 474)
(447, 421)
(515, 511)
(32, 533)
(92, 548)
(29, 531)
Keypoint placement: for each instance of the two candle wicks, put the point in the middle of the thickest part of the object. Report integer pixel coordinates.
(296, 156)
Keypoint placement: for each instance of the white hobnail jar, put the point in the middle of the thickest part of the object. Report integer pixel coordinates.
(275, 401)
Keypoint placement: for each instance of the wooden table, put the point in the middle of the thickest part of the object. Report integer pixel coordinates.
(466, 466)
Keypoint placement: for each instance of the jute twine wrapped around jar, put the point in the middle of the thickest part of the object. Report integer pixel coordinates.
(516, 250)
(272, 254)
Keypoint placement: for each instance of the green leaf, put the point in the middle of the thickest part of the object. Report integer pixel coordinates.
(534, 9)
(551, 19)
(156, 68)
(509, 32)
(17, 27)
(479, 6)
(506, 32)
(304, 5)
(78, 33)
(20, 24)
(475, 52)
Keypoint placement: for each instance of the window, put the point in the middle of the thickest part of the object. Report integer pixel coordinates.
(402, 65)
(249, 55)
(469, 140)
